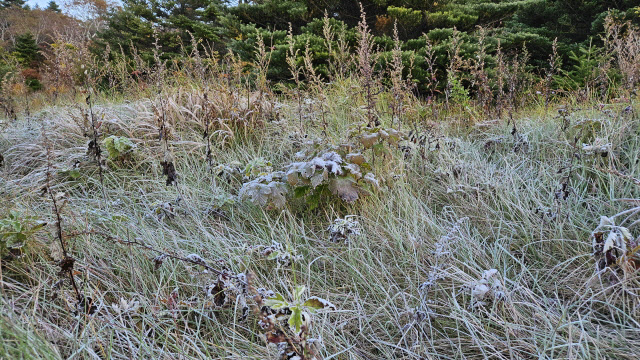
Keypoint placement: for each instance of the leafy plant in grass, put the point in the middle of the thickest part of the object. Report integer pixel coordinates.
(285, 255)
(344, 229)
(256, 167)
(335, 170)
(119, 148)
(294, 342)
(614, 247)
(377, 138)
(16, 230)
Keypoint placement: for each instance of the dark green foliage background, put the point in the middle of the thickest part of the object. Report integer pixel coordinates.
(219, 26)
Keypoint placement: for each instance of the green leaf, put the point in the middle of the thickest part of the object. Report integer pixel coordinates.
(74, 174)
(17, 241)
(301, 191)
(297, 292)
(38, 226)
(295, 320)
(379, 149)
(276, 302)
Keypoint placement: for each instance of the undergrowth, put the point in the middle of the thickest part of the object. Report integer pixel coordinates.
(217, 220)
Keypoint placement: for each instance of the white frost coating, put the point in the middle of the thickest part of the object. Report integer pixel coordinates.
(265, 190)
(371, 179)
(488, 289)
(326, 304)
(195, 258)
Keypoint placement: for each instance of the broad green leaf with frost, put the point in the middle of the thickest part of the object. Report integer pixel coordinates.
(295, 319)
(297, 292)
(276, 302)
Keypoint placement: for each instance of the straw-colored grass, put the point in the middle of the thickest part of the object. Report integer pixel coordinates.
(482, 199)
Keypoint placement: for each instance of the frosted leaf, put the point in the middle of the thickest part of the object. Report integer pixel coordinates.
(368, 140)
(345, 188)
(371, 179)
(344, 229)
(354, 170)
(264, 190)
(125, 306)
(488, 274)
(488, 289)
(319, 178)
(292, 178)
(317, 303)
(333, 168)
(158, 260)
(479, 291)
(605, 221)
(599, 146)
(332, 156)
(610, 243)
(356, 158)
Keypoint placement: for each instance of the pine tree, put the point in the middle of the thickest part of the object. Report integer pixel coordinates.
(52, 6)
(26, 50)
(10, 3)
(134, 23)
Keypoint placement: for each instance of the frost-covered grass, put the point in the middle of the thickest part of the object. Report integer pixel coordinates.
(477, 246)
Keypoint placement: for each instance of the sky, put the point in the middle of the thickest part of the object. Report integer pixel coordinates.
(43, 3)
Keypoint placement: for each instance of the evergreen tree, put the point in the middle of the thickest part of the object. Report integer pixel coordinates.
(9, 3)
(52, 6)
(26, 50)
(174, 20)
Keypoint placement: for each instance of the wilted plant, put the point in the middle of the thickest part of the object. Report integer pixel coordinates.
(167, 163)
(487, 290)
(295, 70)
(623, 40)
(501, 69)
(344, 229)
(454, 84)
(515, 80)
(554, 67)
(480, 74)
(93, 148)
(84, 305)
(367, 60)
(614, 247)
(339, 55)
(399, 87)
